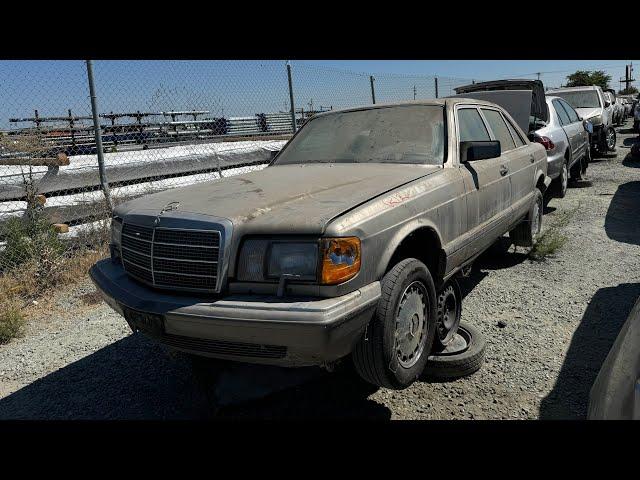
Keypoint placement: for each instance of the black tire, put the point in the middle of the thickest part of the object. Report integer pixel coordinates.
(449, 311)
(525, 233)
(450, 367)
(561, 183)
(375, 356)
(610, 140)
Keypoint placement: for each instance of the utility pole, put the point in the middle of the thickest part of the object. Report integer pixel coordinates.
(627, 76)
(538, 74)
(98, 137)
(414, 92)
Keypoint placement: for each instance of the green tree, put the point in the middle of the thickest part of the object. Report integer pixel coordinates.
(583, 78)
(628, 91)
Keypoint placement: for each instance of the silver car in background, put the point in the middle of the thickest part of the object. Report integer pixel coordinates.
(548, 120)
(592, 104)
(566, 139)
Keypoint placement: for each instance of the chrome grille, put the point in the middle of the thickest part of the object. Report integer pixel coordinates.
(170, 257)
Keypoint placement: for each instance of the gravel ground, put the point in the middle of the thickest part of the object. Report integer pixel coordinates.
(78, 359)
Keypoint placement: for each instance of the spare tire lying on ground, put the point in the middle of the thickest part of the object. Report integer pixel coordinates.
(462, 357)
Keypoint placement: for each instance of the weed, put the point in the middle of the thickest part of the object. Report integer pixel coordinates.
(11, 324)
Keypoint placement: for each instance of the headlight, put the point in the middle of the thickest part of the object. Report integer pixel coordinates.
(263, 259)
(293, 258)
(595, 120)
(340, 259)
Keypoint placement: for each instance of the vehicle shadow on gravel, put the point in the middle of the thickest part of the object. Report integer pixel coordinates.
(621, 223)
(590, 344)
(631, 161)
(500, 255)
(135, 378)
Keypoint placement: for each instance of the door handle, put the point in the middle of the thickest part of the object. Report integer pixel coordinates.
(503, 170)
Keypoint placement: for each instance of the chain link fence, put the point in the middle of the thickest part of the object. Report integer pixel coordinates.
(162, 124)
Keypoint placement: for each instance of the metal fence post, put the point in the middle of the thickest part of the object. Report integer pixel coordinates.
(436, 83)
(98, 135)
(373, 92)
(293, 110)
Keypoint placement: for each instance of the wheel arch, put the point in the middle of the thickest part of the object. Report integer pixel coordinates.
(419, 241)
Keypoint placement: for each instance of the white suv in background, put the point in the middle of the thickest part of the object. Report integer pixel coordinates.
(592, 104)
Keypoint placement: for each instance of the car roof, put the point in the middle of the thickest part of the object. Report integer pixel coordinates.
(442, 102)
(569, 89)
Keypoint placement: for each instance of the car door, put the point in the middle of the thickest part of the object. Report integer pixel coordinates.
(489, 195)
(515, 156)
(578, 138)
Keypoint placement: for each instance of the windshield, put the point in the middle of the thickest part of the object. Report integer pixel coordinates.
(581, 99)
(397, 134)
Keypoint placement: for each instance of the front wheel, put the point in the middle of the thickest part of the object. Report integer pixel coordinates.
(524, 235)
(394, 349)
(611, 139)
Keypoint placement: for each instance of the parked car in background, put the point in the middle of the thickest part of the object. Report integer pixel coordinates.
(618, 109)
(628, 107)
(550, 121)
(613, 110)
(342, 245)
(590, 103)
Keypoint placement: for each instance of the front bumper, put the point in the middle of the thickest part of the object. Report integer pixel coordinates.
(248, 328)
(597, 137)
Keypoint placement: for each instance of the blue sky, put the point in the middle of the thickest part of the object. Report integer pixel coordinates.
(246, 87)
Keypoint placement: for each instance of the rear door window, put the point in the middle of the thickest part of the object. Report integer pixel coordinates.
(499, 129)
(472, 128)
(562, 114)
(573, 116)
(514, 133)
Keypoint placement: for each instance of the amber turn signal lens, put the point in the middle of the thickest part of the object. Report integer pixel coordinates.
(340, 259)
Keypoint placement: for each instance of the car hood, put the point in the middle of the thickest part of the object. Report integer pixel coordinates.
(285, 199)
(587, 113)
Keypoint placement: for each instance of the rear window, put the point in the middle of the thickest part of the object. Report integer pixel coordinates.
(580, 98)
(412, 134)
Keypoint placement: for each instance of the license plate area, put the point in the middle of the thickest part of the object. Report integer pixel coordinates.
(145, 322)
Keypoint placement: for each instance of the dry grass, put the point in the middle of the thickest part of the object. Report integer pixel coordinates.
(20, 287)
(552, 239)
(12, 324)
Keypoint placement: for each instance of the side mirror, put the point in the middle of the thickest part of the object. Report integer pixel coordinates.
(588, 126)
(607, 103)
(470, 151)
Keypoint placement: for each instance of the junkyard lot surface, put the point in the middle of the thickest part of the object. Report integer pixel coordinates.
(562, 315)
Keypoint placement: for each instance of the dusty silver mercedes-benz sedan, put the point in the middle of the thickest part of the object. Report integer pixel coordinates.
(344, 244)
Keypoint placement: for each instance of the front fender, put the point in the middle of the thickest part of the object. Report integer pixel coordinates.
(399, 236)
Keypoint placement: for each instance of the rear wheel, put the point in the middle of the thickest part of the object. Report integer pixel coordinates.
(399, 338)
(562, 182)
(525, 233)
(449, 310)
